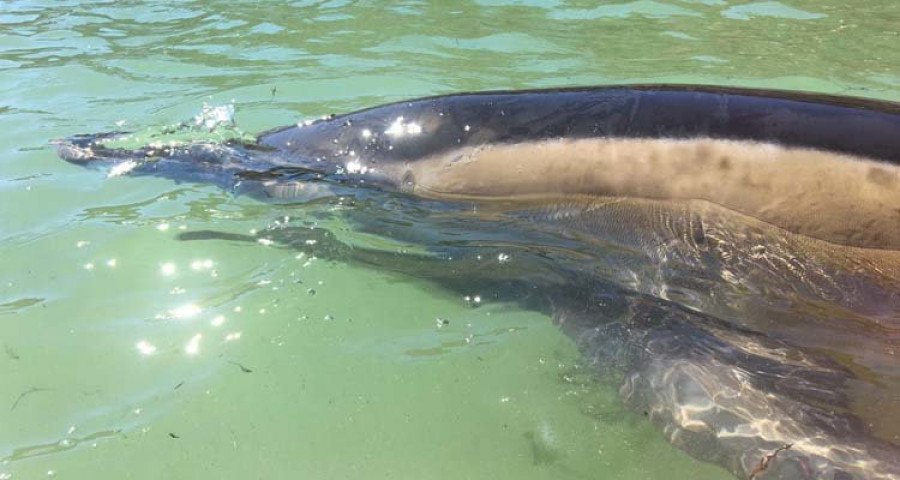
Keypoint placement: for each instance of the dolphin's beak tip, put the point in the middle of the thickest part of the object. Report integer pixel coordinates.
(71, 152)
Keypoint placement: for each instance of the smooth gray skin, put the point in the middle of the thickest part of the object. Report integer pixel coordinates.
(726, 250)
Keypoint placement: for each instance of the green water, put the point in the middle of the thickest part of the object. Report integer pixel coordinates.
(127, 353)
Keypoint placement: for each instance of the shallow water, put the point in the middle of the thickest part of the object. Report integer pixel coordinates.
(127, 352)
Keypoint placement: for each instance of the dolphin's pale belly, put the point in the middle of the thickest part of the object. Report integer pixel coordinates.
(833, 197)
(733, 256)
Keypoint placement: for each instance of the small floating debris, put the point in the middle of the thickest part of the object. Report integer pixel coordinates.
(242, 367)
(767, 459)
(25, 394)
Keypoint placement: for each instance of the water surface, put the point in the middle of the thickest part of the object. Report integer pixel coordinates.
(129, 353)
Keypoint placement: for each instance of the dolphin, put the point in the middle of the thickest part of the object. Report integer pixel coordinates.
(733, 254)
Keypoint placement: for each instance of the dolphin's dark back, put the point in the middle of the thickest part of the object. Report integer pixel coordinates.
(856, 126)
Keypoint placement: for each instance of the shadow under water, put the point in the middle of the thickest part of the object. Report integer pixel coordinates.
(735, 337)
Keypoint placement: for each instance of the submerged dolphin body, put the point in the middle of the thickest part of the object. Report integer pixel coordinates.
(733, 254)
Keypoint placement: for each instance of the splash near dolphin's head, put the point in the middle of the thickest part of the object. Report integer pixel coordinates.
(208, 148)
(121, 152)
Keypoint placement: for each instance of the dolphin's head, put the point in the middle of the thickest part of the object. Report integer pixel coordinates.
(240, 167)
(91, 151)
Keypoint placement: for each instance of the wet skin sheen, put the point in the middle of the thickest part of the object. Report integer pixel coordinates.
(733, 254)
